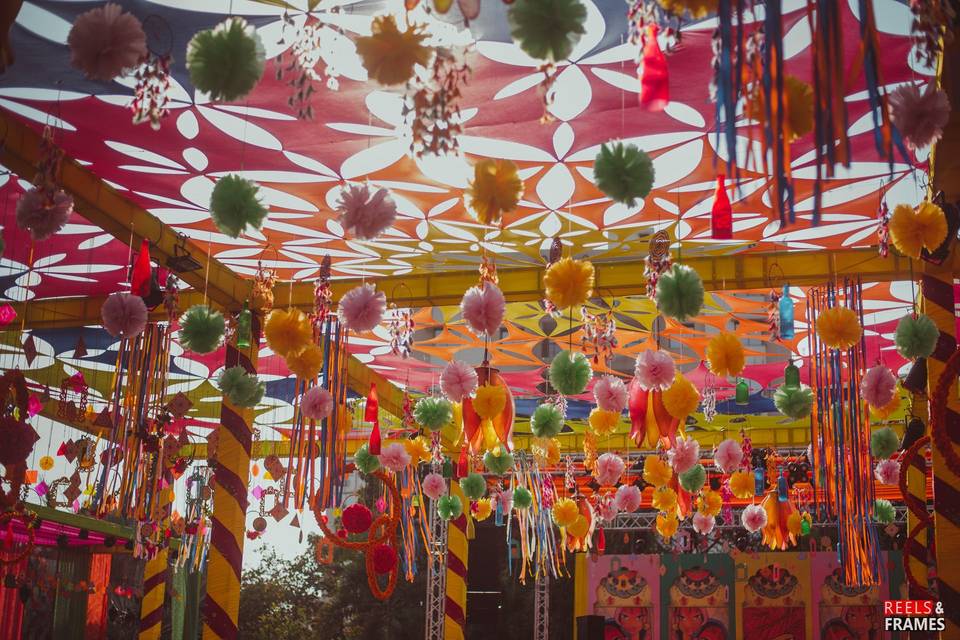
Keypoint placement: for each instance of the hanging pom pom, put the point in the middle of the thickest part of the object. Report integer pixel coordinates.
(570, 373)
(483, 308)
(627, 498)
(546, 451)
(684, 454)
(305, 363)
(105, 42)
(913, 230)
(655, 370)
(656, 471)
(623, 172)
(667, 525)
(603, 422)
(794, 402)
(394, 457)
(384, 559)
(610, 394)
(754, 518)
(888, 472)
(362, 308)
(434, 486)
(356, 518)
(458, 381)
(693, 479)
(711, 502)
(287, 331)
(681, 399)
(565, 512)
(433, 414)
(725, 355)
(316, 403)
(364, 216)
(419, 449)
(838, 327)
(547, 29)
(124, 315)
(498, 461)
(703, 523)
(664, 500)
(728, 456)
(878, 386)
(522, 498)
(546, 421)
(919, 116)
(490, 401)
(884, 443)
(235, 205)
(742, 485)
(226, 62)
(680, 293)
(241, 388)
(608, 469)
(884, 512)
(916, 336)
(390, 55)
(365, 461)
(43, 218)
(449, 507)
(568, 282)
(496, 189)
(201, 329)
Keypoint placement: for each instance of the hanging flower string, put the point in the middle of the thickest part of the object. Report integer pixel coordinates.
(401, 327)
(433, 106)
(883, 230)
(322, 295)
(150, 97)
(304, 63)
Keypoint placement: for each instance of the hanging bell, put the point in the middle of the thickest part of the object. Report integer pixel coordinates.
(791, 376)
(743, 393)
(244, 321)
(786, 314)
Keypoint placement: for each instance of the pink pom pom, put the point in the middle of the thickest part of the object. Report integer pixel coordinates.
(920, 117)
(483, 308)
(394, 457)
(728, 456)
(458, 381)
(364, 216)
(754, 518)
(655, 370)
(608, 510)
(434, 486)
(362, 308)
(43, 216)
(627, 498)
(608, 468)
(702, 523)
(124, 315)
(888, 472)
(316, 403)
(684, 454)
(105, 41)
(610, 393)
(878, 386)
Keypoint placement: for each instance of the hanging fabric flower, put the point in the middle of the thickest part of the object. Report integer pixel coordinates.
(124, 315)
(684, 454)
(667, 525)
(394, 457)
(433, 414)
(235, 206)
(610, 394)
(483, 308)
(888, 472)
(545, 451)
(362, 308)
(106, 41)
(742, 484)
(920, 116)
(498, 461)
(680, 293)
(838, 327)
(495, 189)
(795, 403)
(565, 512)
(287, 331)
(449, 507)
(547, 29)
(226, 62)
(603, 423)
(728, 456)
(884, 511)
(725, 355)
(703, 523)
(389, 55)
(627, 498)
(489, 401)
(241, 388)
(878, 386)
(305, 363)
(458, 381)
(913, 230)
(570, 373)
(623, 172)
(655, 370)
(656, 471)
(693, 479)
(201, 329)
(608, 469)
(434, 485)
(711, 502)
(41, 215)
(546, 420)
(568, 282)
(754, 518)
(664, 500)
(884, 443)
(916, 336)
(363, 215)
(316, 403)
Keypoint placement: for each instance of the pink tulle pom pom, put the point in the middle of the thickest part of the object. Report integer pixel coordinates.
(888, 472)
(505, 498)
(483, 308)
(105, 41)
(394, 457)
(361, 308)
(608, 510)
(878, 386)
(754, 518)
(919, 116)
(627, 498)
(316, 403)
(702, 523)
(42, 217)
(610, 393)
(655, 370)
(684, 454)
(728, 456)
(608, 468)
(458, 381)
(124, 315)
(434, 486)
(364, 216)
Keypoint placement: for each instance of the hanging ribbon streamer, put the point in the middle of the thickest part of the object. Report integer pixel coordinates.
(728, 79)
(774, 108)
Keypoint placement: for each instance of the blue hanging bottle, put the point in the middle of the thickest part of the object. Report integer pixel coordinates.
(499, 512)
(786, 314)
(782, 489)
(759, 483)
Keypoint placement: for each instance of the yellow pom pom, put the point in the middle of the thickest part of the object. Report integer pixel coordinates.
(742, 484)
(886, 410)
(389, 54)
(604, 422)
(656, 471)
(568, 282)
(798, 107)
(710, 502)
(725, 354)
(484, 509)
(580, 527)
(489, 401)
(933, 222)
(305, 363)
(665, 500)
(838, 327)
(546, 451)
(418, 449)
(794, 521)
(914, 230)
(46, 463)
(565, 512)
(692, 8)
(287, 331)
(681, 399)
(667, 525)
(495, 190)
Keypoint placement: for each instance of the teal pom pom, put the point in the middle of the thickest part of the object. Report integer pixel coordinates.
(883, 511)
(570, 373)
(201, 329)
(884, 443)
(241, 388)
(547, 29)
(433, 413)
(680, 293)
(473, 486)
(234, 205)
(522, 498)
(693, 479)
(916, 337)
(546, 421)
(794, 402)
(623, 172)
(498, 464)
(449, 507)
(365, 461)
(226, 62)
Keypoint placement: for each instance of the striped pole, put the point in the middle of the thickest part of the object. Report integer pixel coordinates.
(455, 603)
(229, 520)
(915, 551)
(155, 582)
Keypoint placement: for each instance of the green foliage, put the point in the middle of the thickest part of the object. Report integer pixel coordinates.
(793, 402)
(235, 205)
(884, 443)
(916, 337)
(546, 421)
(623, 172)
(547, 29)
(680, 293)
(570, 373)
(433, 413)
(201, 329)
(226, 62)
(241, 388)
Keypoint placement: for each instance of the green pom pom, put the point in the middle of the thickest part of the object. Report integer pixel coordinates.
(547, 29)
(693, 479)
(794, 402)
(570, 373)
(680, 293)
(623, 172)
(365, 461)
(226, 62)
(522, 498)
(241, 388)
(473, 486)
(916, 337)
(433, 413)
(449, 507)
(546, 421)
(498, 464)
(201, 329)
(883, 511)
(884, 443)
(234, 205)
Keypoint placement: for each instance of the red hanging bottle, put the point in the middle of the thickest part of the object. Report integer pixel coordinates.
(654, 77)
(721, 215)
(463, 463)
(140, 273)
(371, 413)
(601, 542)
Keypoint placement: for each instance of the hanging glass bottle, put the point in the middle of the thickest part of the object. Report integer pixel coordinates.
(791, 376)
(786, 314)
(244, 320)
(742, 393)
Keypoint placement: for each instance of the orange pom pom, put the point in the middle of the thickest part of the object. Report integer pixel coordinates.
(710, 503)
(742, 484)
(287, 331)
(667, 525)
(305, 363)
(656, 471)
(495, 190)
(914, 230)
(565, 512)
(838, 327)
(568, 282)
(725, 354)
(389, 54)
(604, 422)
(682, 398)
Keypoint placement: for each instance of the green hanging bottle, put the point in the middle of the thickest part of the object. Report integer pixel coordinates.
(244, 321)
(791, 376)
(743, 393)
(804, 526)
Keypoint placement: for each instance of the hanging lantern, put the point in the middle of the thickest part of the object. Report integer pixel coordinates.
(486, 433)
(721, 216)
(786, 314)
(791, 376)
(650, 422)
(742, 393)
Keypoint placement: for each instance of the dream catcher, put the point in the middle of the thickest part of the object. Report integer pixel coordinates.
(657, 262)
(599, 334)
(67, 409)
(401, 327)
(150, 99)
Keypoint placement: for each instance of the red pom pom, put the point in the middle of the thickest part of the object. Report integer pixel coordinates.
(18, 439)
(384, 558)
(356, 518)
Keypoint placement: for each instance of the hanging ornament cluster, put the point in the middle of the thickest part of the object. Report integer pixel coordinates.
(44, 209)
(401, 328)
(657, 262)
(307, 61)
(599, 335)
(322, 294)
(150, 99)
(433, 106)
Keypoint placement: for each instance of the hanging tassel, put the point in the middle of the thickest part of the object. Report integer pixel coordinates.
(721, 215)
(141, 272)
(371, 414)
(654, 77)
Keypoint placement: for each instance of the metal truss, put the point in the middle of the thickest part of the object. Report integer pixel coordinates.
(541, 607)
(436, 577)
(647, 520)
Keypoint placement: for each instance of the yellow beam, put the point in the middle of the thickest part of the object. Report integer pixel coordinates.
(68, 313)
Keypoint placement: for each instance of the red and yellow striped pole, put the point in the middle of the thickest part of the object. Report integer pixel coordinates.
(155, 575)
(455, 602)
(915, 550)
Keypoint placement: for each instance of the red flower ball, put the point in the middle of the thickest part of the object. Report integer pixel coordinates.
(356, 518)
(384, 558)
(18, 439)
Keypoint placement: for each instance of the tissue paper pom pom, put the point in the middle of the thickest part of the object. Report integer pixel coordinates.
(434, 485)
(483, 308)
(623, 172)
(522, 498)
(241, 388)
(394, 457)
(482, 509)
(106, 41)
(693, 479)
(680, 293)
(667, 525)
(919, 116)
(692, 8)
(916, 336)
(496, 189)
(887, 472)
(665, 500)
(546, 421)
(316, 403)
(226, 62)
(40, 217)
(489, 401)
(124, 315)
(656, 471)
(365, 461)
(570, 373)
(498, 461)
(201, 329)
(356, 518)
(384, 559)
(914, 230)
(884, 442)
(725, 354)
(711, 502)
(728, 456)
(419, 449)
(798, 103)
(838, 327)
(681, 399)
(565, 512)
(603, 422)
(458, 381)
(547, 29)
(361, 308)
(878, 386)
(449, 507)
(703, 523)
(884, 412)
(433, 413)
(287, 331)
(546, 451)
(883, 511)
(473, 486)
(684, 454)
(235, 205)
(608, 468)
(627, 498)
(389, 55)
(795, 523)
(742, 485)
(610, 394)
(364, 216)
(794, 402)
(568, 282)
(608, 510)
(654, 370)
(305, 363)
(754, 518)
